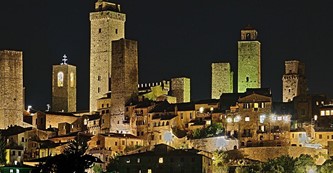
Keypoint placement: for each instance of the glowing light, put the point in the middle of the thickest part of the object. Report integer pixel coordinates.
(279, 118)
(286, 118)
(211, 109)
(201, 109)
(29, 108)
(160, 160)
(167, 137)
(262, 118)
(237, 119)
(221, 143)
(247, 118)
(229, 119)
(273, 117)
(315, 117)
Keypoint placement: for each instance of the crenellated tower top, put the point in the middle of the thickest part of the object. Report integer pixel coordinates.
(104, 5)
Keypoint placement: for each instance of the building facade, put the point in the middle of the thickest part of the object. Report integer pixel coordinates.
(64, 88)
(293, 81)
(107, 24)
(222, 79)
(124, 82)
(181, 89)
(249, 60)
(11, 88)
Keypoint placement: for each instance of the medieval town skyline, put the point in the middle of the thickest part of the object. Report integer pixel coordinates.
(174, 41)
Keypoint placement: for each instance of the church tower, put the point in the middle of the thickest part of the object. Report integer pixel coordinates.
(64, 87)
(222, 79)
(107, 24)
(293, 81)
(11, 88)
(249, 68)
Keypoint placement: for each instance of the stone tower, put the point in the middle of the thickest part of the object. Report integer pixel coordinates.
(107, 24)
(124, 84)
(11, 88)
(293, 81)
(64, 87)
(181, 89)
(249, 68)
(222, 79)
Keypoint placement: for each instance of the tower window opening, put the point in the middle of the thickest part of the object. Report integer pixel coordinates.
(248, 36)
(98, 89)
(99, 30)
(289, 89)
(247, 79)
(116, 31)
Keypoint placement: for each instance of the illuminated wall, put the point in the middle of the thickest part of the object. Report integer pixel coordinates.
(107, 24)
(222, 79)
(249, 60)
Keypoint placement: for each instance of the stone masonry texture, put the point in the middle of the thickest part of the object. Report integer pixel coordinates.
(181, 89)
(11, 88)
(222, 79)
(107, 24)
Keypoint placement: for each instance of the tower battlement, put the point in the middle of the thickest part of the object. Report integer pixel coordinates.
(104, 5)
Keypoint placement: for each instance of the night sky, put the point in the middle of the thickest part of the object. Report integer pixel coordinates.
(176, 38)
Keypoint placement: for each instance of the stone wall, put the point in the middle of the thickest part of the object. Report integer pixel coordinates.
(181, 89)
(11, 88)
(124, 81)
(293, 81)
(105, 27)
(222, 81)
(214, 143)
(265, 153)
(249, 63)
(64, 97)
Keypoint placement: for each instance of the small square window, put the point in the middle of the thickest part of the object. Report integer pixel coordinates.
(160, 160)
(247, 118)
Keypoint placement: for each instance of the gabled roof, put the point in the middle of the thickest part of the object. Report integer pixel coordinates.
(14, 130)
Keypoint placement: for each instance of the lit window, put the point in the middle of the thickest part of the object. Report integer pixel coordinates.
(285, 118)
(322, 113)
(160, 160)
(229, 119)
(331, 112)
(262, 105)
(60, 79)
(320, 136)
(71, 79)
(138, 160)
(247, 118)
(150, 171)
(262, 118)
(256, 105)
(128, 161)
(274, 118)
(327, 112)
(279, 118)
(237, 118)
(201, 109)
(293, 135)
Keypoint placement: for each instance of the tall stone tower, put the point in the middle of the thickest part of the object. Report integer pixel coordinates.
(181, 89)
(222, 79)
(107, 24)
(124, 85)
(293, 81)
(64, 87)
(11, 88)
(249, 68)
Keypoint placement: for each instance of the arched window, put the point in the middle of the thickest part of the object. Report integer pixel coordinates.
(60, 79)
(71, 79)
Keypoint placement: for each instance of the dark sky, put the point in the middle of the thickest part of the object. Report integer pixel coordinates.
(176, 38)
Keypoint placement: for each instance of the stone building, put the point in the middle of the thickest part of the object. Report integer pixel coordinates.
(11, 88)
(222, 79)
(124, 82)
(64, 87)
(293, 81)
(249, 60)
(181, 89)
(107, 24)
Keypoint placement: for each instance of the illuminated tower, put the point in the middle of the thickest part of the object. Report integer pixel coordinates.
(64, 87)
(249, 68)
(124, 83)
(11, 88)
(293, 81)
(181, 89)
(107, 24)
(222, 79)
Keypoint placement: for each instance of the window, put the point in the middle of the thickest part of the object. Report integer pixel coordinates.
(98, 89)
(116, 31)
(322, 113)
(98, 142)
(138, 160)
(247, 118)
(150, 171)
(60, 79)
(247, 79)
(191, 115)
(13, 153)
(320, 136)
(327, 112)
(160, 160)
(99, 78)
(293, 135)
(256, 105)
(99, 30)
(19, 153)
(71, 79)
(181, 116)
(22, 140)
(115, 143)
(328, 137)
(123, 142)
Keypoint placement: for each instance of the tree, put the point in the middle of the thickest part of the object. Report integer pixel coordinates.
(2, 150)
(220, 161)
(281, 164)
(113, 165)
(305, 163)
(327, 167)
(72, 160)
